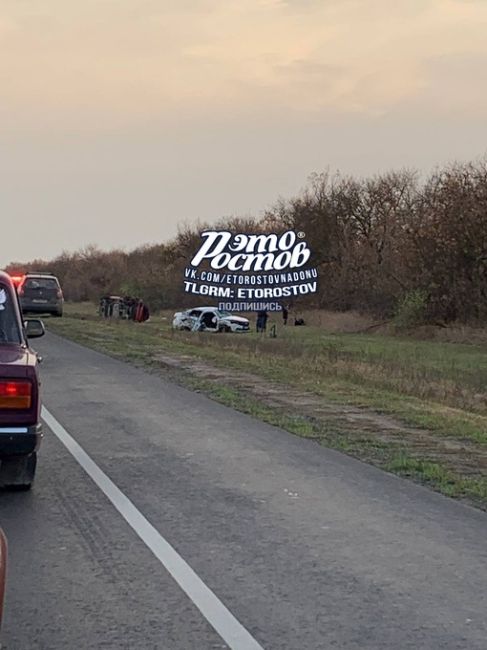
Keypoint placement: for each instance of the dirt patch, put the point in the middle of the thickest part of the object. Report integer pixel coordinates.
(461, 456)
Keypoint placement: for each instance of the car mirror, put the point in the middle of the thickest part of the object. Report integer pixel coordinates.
(34, 328)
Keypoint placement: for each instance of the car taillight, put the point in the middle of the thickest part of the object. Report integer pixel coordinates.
(17, 279)
(15, 394)
(59, 293)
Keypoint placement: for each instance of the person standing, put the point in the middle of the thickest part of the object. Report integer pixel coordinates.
(261, 321)
(285, 314)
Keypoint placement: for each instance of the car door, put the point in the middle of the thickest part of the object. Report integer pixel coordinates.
(193, 318)
(3, 570)
(211, 321)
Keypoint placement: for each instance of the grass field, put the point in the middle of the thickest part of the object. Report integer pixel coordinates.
(438, 388)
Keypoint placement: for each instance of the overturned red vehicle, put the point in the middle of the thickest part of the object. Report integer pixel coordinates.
(20, 423)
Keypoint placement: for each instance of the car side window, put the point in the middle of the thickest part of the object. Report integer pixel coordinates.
(9, 326)
(195, 312)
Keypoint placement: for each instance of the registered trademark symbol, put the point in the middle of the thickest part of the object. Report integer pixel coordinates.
(301, 235)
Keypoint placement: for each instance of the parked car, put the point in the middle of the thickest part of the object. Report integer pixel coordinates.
(209, 319)
(41, 293)
(20, 406)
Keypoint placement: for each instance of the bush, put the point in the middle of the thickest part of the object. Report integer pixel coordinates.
(411, 309)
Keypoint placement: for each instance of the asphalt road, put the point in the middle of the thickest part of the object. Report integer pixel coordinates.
(305, 548)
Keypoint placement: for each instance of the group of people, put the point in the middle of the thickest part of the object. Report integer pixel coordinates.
(262, 317)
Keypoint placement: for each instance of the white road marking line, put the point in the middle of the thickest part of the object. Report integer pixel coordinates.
(215, 612)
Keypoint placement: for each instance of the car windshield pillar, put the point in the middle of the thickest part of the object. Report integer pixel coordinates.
(9, 326)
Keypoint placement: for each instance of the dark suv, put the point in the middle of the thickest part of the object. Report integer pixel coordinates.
(20, 406)
(41, 293)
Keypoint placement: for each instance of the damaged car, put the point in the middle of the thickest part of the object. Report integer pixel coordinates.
(209, 319)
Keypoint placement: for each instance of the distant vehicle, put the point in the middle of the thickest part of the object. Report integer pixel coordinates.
(20, 406)
(209, 319)
(125, 307)
(40, 293)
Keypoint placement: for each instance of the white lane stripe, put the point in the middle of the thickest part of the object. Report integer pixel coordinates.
(215, 612)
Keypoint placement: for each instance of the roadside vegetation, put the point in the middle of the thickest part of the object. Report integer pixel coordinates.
(417, 408)
(398, 246)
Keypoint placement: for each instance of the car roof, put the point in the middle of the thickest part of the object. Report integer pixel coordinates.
(41, 275)
(203, 308)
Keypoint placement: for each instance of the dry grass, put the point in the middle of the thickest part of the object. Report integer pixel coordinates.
(444, 373)
(449, 373)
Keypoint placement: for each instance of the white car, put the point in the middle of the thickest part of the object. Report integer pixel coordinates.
(209, 319)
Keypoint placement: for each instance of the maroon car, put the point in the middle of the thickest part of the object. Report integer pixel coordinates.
(20, 425)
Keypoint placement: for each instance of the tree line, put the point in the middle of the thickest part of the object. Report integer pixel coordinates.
(388, 244)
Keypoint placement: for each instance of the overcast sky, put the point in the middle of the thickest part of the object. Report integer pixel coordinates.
(121, 119)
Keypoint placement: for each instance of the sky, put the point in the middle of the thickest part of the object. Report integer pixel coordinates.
(120, 120)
